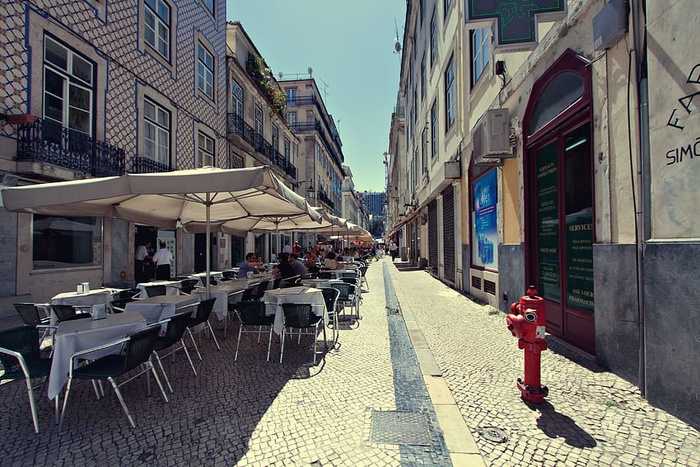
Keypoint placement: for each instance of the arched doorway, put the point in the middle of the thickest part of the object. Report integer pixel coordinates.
(559, 208)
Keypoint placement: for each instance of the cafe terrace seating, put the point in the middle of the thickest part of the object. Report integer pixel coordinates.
(253, 319)
(202, 317)
(299, 318)
(174, 332)
(137, 350)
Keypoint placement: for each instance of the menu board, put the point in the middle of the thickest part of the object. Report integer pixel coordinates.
(579, 260)
(548, 223)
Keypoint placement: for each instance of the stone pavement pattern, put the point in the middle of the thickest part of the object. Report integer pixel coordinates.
(258, 413)
(591, 416)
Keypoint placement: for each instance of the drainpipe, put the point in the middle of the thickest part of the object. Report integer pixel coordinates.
(642, 227)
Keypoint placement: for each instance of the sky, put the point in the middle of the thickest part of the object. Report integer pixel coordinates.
(350, 46)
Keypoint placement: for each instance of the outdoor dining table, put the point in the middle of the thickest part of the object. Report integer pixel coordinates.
(76, 335)
(319, 282)
(171, 287)
(275, 298)
(225, 293)
(202, 276)
(162, 307)
(81, 300)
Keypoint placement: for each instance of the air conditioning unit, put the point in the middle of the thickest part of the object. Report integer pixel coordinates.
(491, 138)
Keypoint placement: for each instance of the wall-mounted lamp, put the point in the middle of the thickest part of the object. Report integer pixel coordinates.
(310, 192)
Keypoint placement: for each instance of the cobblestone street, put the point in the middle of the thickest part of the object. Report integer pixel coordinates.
(258, 413)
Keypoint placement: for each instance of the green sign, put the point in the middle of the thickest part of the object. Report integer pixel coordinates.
(548, 223)
(516, 20)
(579, 260)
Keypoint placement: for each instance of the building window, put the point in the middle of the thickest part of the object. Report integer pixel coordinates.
(156, 145)
(433, 39)
(291, 119)
(450, 95)
(291, 96)
(157, 26)
(422, 77)
(205, 71)
(480, 53)
(424, 149)
(210, 6)
(434, 130)
(64, 242)
(275, 138)
(237, 98)
(205, 150)
(68, 91)
(287, 149)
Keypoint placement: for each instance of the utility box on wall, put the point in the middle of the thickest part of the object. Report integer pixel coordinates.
(610, 24)
(453, 169)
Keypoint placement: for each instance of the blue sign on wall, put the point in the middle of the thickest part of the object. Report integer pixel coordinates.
(485, 221)
(516, 20)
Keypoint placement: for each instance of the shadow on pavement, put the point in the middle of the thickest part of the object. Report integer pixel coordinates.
(557, 425)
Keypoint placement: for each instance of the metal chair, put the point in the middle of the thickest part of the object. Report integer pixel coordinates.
(252, 315)
(155, 290)
(21, 359)
(298, 316)
(330, 296)
(363, 272)
(67, 313)
(174, 333)
(137, 350)
(118, 306)
(30, 314)
(125, 294)
(188, 285)
(347, 297)
(202, 317)
(260, 291)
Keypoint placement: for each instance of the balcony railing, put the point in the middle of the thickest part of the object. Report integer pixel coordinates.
(323, 197)
(143, 165)
(236, 125)
(49, 142)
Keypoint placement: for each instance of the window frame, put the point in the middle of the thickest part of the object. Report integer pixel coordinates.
(480, 53)
(450, 95)
(433, 38)
(158, 126)
(95, 248)
(205, 151)
(202, 69)
(236, 100)
(434, 130)
(158, 19)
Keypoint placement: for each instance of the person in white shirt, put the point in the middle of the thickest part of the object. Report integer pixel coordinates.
(162, 260)
(287, 248)
(141, 272)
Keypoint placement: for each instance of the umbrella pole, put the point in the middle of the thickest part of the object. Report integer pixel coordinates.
(208, 243)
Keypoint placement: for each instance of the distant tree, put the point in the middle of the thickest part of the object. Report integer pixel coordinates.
(376, 228)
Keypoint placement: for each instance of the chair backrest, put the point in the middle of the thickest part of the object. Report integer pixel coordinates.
(252, 313)
(22, 339)
(297, 315)
(29, 313)
(325, 275)
(330, 296)
(174, 331)
(155, 290)
(139, 347)
(347, 291)
(118, 306)
(363, 270)
(64, 312)
(349, 280)
(247, 294)
(188, 285)
(203, 311)
(260, 291)
(228, 274)
(128, 293)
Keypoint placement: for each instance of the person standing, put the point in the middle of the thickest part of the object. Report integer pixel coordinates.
(393, 249)
(142, 267)
(162, 260)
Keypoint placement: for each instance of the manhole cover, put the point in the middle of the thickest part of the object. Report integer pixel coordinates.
(400, 428)
(493, 434)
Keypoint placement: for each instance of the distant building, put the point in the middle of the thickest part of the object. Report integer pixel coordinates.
(374, 201)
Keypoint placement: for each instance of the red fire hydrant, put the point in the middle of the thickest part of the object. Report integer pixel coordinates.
(527, 321)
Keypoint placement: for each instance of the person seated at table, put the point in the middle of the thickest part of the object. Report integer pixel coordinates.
(329, 261)
(162, 260)
(249, 264)
(284, 268)
(262, 267)
(297, 266)
(310, 259)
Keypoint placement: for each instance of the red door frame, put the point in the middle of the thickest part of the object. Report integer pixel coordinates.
(577, 114)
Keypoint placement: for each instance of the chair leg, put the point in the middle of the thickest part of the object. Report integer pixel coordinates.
(269, 344)
(32, 404)
(155, 375)
(213, 335)
(121, 401)
(282, 345)
(187, 353)
(240, 331)
(162, 370)
(195, 344)
(65, 404)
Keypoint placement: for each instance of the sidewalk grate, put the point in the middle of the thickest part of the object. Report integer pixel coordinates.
(390, 427)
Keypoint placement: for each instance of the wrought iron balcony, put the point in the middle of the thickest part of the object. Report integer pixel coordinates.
(143, 165)
(238, 126)
(51, 143)
(323, 197)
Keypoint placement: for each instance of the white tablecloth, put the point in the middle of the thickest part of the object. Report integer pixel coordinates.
(171, 287)
(225, 293)
(162, 307)
(202, 276)
(93, 297)
(276, 297)
(73, 336)
(319, 282)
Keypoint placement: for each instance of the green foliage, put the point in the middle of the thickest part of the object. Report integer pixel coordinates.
(261, 76)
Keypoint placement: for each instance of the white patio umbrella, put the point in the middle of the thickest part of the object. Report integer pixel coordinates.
(200, 200)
